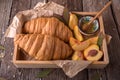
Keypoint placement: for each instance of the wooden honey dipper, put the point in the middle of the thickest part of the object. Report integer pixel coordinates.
(86, 26)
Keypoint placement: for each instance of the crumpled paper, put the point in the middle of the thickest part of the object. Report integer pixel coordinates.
(41, 9)
(71, 68)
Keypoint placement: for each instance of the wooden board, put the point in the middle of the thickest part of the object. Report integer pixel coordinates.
(8, 70)
(116, 16)
(5, 8)
(111, 21)
(112, 70)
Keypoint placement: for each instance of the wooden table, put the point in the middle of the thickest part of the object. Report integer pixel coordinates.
(8, 8)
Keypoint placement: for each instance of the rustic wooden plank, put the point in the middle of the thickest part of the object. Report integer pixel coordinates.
(22, 73)
(5, 7)
(70, 4)
(4, 18)
(75, 5)
(112, 70)
(116, 13)
(8, 70)
(96, 74)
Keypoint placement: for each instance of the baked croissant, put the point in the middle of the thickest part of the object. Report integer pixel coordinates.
(43, 47)
(50, 26)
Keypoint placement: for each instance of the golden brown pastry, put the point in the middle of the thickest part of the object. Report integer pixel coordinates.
(51, 26)
(43, 47)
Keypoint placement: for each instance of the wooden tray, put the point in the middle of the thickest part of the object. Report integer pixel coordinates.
(21, 63)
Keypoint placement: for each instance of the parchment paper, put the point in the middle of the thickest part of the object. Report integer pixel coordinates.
(71, 68)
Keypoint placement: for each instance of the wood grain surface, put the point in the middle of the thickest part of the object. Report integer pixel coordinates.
(8, 8)
(5, 9)
(112, 70)
(115, 11)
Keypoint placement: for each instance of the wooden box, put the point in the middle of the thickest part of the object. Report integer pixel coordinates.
(21, 63)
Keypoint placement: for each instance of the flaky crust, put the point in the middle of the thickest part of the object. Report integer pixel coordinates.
(43, 47)
(50, 26)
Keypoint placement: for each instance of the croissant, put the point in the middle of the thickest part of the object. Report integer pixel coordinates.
(43, 47)
(50, 26)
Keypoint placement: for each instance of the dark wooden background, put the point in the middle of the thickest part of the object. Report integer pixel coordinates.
(8, 8)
